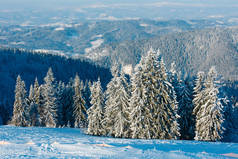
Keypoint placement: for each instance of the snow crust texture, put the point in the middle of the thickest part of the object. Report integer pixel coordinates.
(30, 142)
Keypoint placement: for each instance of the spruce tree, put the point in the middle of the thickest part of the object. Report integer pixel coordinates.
(20, 107)
(95, 112)
(50, 103)
(116, 122)
(33, 112)
(185, 106)
(110, 93)
(173, 77)
(198, 92)
(40, 106)
(36, 102)
(185, 110)
(210, 116)
(122, 97)
(153, 102)
(68, 101)
(138, 111)
(60, 102)
(79, 110)
(87, 94)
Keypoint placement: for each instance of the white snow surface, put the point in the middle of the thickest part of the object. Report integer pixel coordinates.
(32, 142)
(18, 43)
(59, 29)
(95, 44)
(144, 25)
(127, 69)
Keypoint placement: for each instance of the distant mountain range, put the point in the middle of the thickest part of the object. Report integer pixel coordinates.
(193, 45)
(192, 51)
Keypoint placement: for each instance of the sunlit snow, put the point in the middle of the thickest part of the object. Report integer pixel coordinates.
(59, 29)
(95, 44)
(18, 142)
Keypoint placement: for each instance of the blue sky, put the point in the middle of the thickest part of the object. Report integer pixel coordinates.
(155, 9)
(84, 3)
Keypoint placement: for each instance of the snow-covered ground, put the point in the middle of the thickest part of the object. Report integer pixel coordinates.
(17, 142)
(95, 44)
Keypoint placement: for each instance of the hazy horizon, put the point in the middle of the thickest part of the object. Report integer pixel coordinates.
(122, 9)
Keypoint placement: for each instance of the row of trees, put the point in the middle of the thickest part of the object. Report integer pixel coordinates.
(51, 104)
(152, 104)
(31, 64)
(157, 104)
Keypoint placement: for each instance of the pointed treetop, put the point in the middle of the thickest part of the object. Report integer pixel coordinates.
(212, 72)
(200, 75)
(36, 84)
(76, 80)
(115, 69)
(49, 76)
(31, 92)
(153, 53)
(99, 81)
(18, 79)
(158, 52)
(151, 50)
(172, 68)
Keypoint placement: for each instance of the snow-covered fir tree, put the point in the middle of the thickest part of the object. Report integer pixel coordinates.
(122, 97)
(50, 103)
(185, 110)
(108, 121)
(68, 101)
(153, 102)
(185, 106)
(79, 110)
(116, 118)
(173, 77)
(87, 93)
(20, 108)
(95, 112)
(37, 102)
(198, 95)
(138, 111)
(40, 102)
(210, 116)
(60, 91)
(33, 112)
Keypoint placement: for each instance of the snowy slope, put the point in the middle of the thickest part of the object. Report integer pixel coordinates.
(72, 143)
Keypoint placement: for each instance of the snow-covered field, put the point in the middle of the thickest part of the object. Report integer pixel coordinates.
(17, 142)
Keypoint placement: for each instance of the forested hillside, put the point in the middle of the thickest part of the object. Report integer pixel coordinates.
(30, 65)
(153, 103)
(192, 51)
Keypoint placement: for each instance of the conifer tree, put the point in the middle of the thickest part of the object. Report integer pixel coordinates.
(37, 102)
(79, 110)
(20, 110)
(116, 122)
(210, 116)
(185, 110)
(33, 112)
(122, 97)
(40, 106)
(110, 93)
(68, 101)
(59, 91)
(198, 92)
(173, 77)
(138, 111)
(153, 102)
(50, 104)
(95, 112)
(185, 106)
(87, 94)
